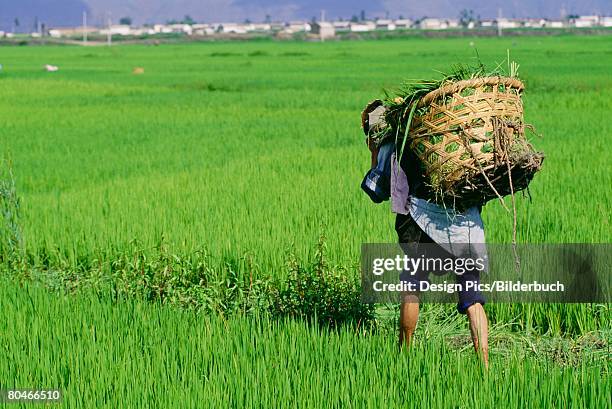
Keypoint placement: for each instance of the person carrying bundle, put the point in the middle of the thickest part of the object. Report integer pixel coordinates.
(421, 222)
(440, 150)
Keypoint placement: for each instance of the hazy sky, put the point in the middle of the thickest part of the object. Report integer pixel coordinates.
(68, 12)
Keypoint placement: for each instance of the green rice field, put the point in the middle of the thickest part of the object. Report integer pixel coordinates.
(135, 355)
(159, 212)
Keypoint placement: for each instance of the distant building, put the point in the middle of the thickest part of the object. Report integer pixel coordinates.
(232, 28)
(605, 21)
(507, 23)
(142, 31)
(403, 24)
(259, 27)
(452, 23)
(202, 29)
(383, 24)
(171, 28)
(432, 24)
(586, 21)
(248, 27)
(323, 29)
(555, 24)
(438, 24)
(342, 26)
(60, 32)
(118, 29)
(162, 29)
(181, 28)
(363, 27)
(534, 22)
(297, 27)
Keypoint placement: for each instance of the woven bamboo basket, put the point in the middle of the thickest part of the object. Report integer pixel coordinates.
(470, 137)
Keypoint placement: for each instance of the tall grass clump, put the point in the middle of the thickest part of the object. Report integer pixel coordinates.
(11, 244)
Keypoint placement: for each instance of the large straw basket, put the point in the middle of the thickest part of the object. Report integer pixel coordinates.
(470, 139)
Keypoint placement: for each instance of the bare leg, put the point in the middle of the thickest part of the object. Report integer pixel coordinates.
(480, 331)
(409, 315)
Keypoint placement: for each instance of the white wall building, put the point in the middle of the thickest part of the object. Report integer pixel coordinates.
(60, 32)
(534, 22)
(452, 23)
(605, 21)
(233, 28)
(202, 29)
(384, 24)
(432, 24)
(162, 29)
(403, 23)
(323, 29)
(586, 21)
(260, 27)
(363, 26)
(342, 26)
(181, 28)
(507, 23)
(117, 29)
(297, 27)
(555, 24)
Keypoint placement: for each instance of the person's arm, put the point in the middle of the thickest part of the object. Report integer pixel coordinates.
(376, 182)
(373, 152)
